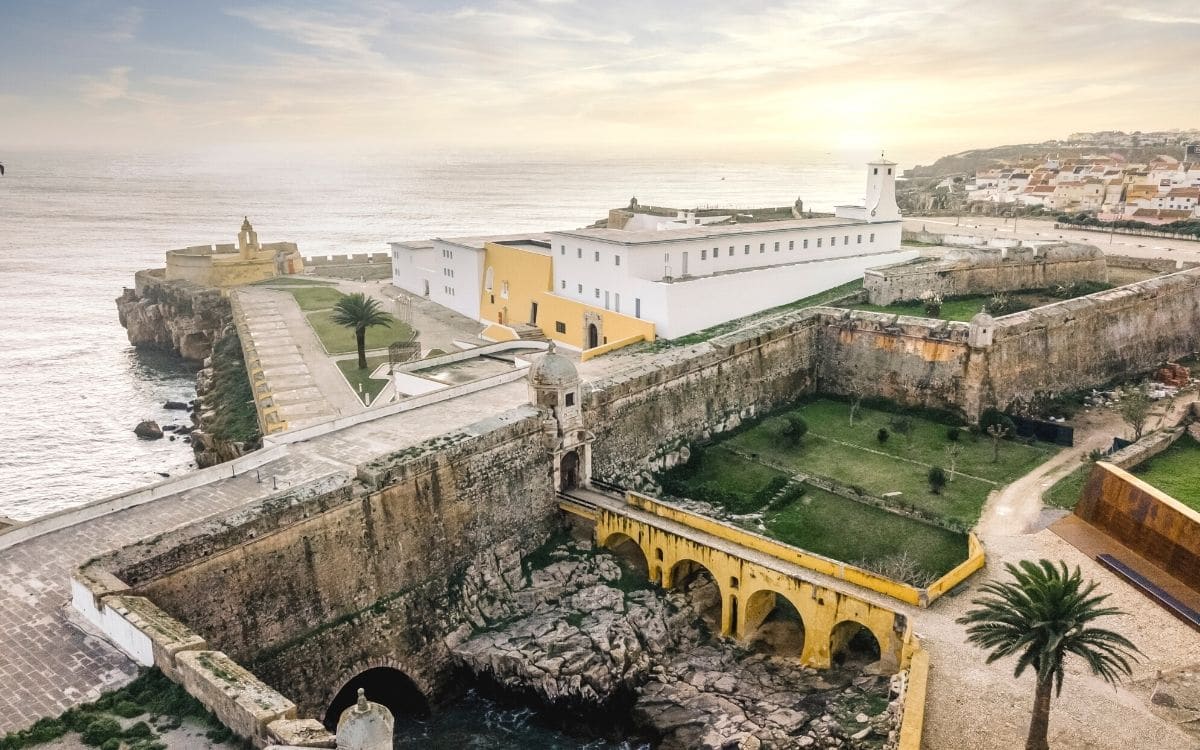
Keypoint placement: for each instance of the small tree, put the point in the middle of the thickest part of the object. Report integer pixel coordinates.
(997, 425)
(937, 479)
(1135, 410)
(932, 302)
(902, 426)
(855, 403)
(953, 451)
(795, 429)
(359, 312)
(883, 435)
(1045, 613)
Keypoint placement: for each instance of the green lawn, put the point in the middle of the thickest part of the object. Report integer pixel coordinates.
(852, 456)
(315, 297)
(1065, 493)
(338, 340)
(819, 521)
(293, 281)
(357, 377)
(1175, 471)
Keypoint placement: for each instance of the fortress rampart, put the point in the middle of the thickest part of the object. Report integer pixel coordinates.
(964, 271)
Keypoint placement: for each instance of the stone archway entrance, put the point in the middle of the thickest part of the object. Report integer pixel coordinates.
(384, 685)
(593, 336)
(569, 471)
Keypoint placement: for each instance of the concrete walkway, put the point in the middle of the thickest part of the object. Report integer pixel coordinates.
(306, 383)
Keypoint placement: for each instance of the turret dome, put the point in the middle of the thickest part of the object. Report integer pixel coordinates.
(553, 370)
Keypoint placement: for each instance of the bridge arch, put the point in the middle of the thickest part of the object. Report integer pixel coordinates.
(628, 549)
(771, 621)
(713, 602)
(384, 681)
(851, 637)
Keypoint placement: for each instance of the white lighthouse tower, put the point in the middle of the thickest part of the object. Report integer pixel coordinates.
(881, 195)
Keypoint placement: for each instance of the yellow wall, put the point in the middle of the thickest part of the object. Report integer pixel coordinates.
(530, 278)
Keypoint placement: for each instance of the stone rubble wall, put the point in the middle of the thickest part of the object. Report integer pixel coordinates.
(345, 573)
(985, 271)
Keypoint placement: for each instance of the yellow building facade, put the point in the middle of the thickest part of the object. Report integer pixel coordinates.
(225, 266)
(518, 290)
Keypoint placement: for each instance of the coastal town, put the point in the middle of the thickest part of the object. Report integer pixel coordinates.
(579, 469)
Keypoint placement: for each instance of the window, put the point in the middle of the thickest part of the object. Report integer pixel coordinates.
(872, 236)
(818, 242)
(776, 247)
(889, 170)
(876, 170)
(579, 252)
(791, 244)
(487, 279)
(597, 292)
(716, 253)
(832, 241)
(597, 256)
(504, 289)
(616, 260)
(564, 284)
(762, 247)
(571, 399)
(731, 251)
(806, 244)
(617, 300)
(747, 251)
(562, 249)
(860, 239)
(560, 327)
(846, 240)
(579, 289)
(703, 255)
(637, 307)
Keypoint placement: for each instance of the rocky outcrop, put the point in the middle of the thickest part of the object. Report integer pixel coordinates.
(226, 423)
(574, 628)
(148, 430)
(175, 316)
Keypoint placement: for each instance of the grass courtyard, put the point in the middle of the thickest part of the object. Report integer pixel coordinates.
(356, 377)
(733, 472)
(1175, 471)
(966, 307)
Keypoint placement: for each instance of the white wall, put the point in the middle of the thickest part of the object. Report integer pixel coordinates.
(576, 264)
(412, 267)
(457, 279)
(699, 303)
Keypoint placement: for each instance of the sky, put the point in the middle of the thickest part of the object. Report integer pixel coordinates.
(593, 76)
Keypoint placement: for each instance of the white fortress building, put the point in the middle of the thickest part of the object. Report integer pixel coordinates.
(682, 276)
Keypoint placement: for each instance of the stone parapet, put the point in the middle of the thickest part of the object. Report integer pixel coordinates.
(240, 700)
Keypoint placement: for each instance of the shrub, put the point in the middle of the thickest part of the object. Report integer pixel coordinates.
(219, 734)
(138, 730)
(937, 479)
(100, 731)
(127, 709)
(953, 434)
(112, 743)
(883, 435)
(795, 429)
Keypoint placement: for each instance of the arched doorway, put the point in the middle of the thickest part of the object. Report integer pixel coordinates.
(630, 555)
(702, 589)
(568, 471)
(593, 336)
(384, 685)
(773, 625)
(853, 642)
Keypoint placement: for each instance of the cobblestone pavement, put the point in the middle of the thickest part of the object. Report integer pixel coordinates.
(48, 664)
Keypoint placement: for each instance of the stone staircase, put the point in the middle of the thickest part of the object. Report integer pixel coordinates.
(527, 332)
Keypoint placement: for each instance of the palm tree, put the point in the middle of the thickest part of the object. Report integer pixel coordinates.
(1043, 615)
(360, 312)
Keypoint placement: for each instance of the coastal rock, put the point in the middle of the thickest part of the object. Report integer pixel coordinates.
(175, 316)
(148, 430)
(176, 406)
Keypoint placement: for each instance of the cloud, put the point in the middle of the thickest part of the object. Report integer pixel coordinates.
(112, 86)
(126, 23)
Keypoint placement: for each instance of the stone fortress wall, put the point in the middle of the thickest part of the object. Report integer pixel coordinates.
(312, 586)
(350, 266)
(984, 270)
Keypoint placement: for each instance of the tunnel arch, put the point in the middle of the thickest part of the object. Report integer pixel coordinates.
(772, 623)
(627, 549)
(852, 639)
(384, 684)
(691, 576)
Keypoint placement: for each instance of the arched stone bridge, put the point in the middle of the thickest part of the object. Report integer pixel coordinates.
(676, 545)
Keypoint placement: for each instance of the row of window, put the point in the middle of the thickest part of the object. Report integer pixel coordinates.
(762, 246)
(449, 290)
(612, 300)
(562, 250)
(448, 254)
(448, 272)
